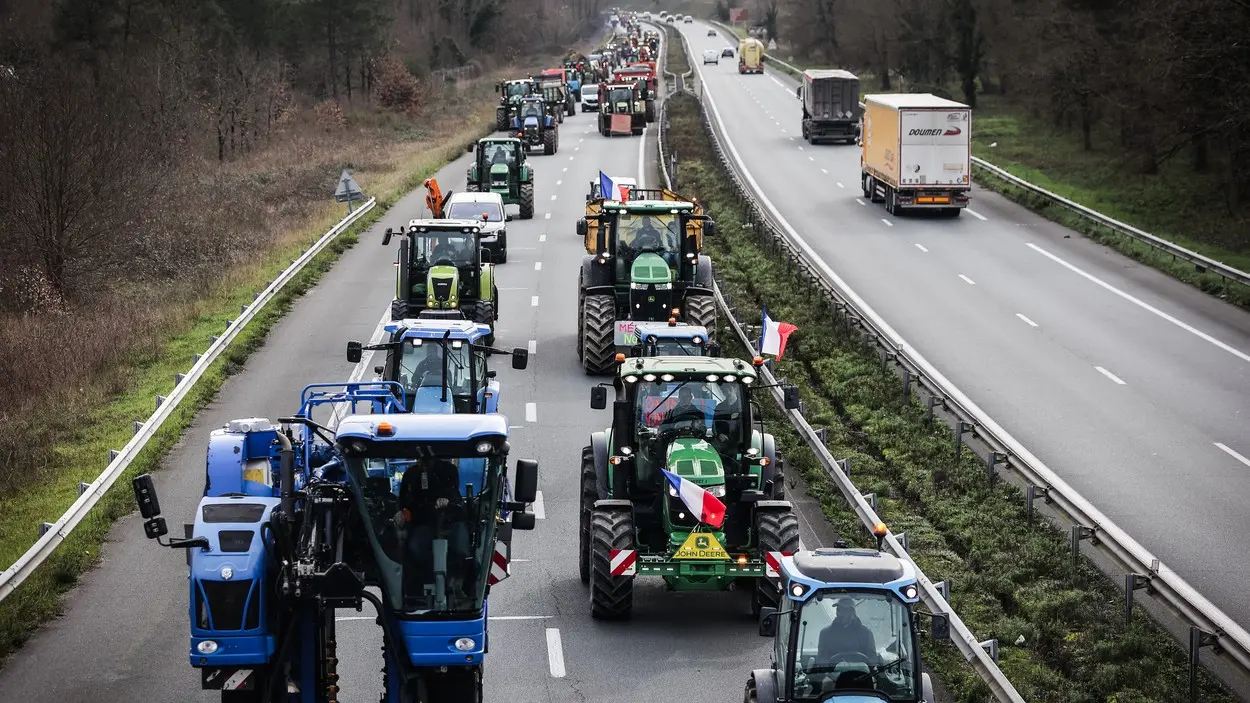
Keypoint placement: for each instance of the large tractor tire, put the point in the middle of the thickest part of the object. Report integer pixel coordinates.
(611, 597)
(581, 312)
(550, 142)
(570, 108)
(650, 113)
(598, 329)
(775, 532)
(527, 201)
(701, 310)
(399, 309)
(501, 119)
(484, 314)
(590, 493)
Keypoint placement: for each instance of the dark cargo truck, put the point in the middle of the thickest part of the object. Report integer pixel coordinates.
(831, 109)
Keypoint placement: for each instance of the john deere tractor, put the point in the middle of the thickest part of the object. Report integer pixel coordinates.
(499, 166)
(440, 273)
(535, 126)
(692, 417)
(622, 109)
(510, 93)
(643, 263)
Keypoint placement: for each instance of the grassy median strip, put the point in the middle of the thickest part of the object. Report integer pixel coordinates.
(1062, 636)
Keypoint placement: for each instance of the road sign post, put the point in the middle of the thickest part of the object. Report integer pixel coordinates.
(348, 190)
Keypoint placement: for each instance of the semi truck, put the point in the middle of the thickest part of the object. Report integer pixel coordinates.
(750, 56)
(916, 152)
(830, 105)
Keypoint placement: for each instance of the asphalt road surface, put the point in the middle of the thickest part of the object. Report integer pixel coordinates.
(1132, 386)
(125, 633)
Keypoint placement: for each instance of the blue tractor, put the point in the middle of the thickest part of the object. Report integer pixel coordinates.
(846, 629)
(672, 338)
(535, 126)
(441, 365)
(298, 521)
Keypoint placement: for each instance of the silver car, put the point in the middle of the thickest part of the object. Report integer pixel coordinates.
(487, 208)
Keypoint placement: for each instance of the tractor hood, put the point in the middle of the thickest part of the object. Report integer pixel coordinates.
(650, 267)
(531, 122)
(429, 401)
(696, 461)
(442, 288)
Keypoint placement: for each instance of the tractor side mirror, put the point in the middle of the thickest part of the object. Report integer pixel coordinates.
(709, 228)
(386, 238)
(379, 369)
(526, 488)
(523, 521)
(507, 218)
(149, 506)
(354, 352)
(520, 358)
(791, 397)
(486, 258)
(469, 149)
(598, 397)
(798, 92)
(941, 628)
(582, 227)
(768, 622)
(491, 374)
(713, 349)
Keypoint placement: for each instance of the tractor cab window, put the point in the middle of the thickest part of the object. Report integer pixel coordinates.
(674, 347)
(431, 526)
(501, 153)
(474, 211)
(854, 641)
(445, 248)
(516, 90)
(692, 408)
(620, 95)
(637, 233)
(531, 109)
(421, 366)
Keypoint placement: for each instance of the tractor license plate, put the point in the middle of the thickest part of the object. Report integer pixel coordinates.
(701, 545)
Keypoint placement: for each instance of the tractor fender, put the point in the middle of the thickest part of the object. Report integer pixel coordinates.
(491, 404)
(765, 685)
(599, 445)
(238, 460)
(486, 282)
(769, 449)
(926, 689)
(704, 274)
(596, 278)
(772, 506)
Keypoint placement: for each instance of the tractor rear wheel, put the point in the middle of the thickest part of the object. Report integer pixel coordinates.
(774, 532)
(484, 314)
(527, 201)
(590, 493)
(501, 119)
(550, 144)
(611, 597)
(598, 327)
(581, 311)
(399, 309)
(650, 112)
(701, 310)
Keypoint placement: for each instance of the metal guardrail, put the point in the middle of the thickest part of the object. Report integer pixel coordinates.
(1208, 625)
(53, 534)
(1201, 263)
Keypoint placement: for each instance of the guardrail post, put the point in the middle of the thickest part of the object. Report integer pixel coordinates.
(1198, 638)
(845, 465)
(178, 377)
(886, 358)
(242, 309)
(1079, 532)
(929, 403)
(1030, 494)
(213, 339)
(160, 399)
(902, 541)
(960, 428)
(944, 587)
(138, 425)
(1132, 582)
(872, 500)
(44, 527)
(990, 646)
(991, 460)
(822, 433)
(906, 383)
(83, 487)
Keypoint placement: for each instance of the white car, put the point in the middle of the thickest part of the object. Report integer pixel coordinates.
(486, 207)
(689, 19)
(711, 56)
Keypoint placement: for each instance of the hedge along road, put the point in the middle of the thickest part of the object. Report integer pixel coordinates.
(1134, 387)
(124, 635)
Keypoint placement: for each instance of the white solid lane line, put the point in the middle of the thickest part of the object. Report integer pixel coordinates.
(555, 653)
(531, 412)
(859, 201)
(1109, 375)
(538, 266)
(921, 247)
(547, 216)
(559, 183)
(976, 214)
(1227, 450)
(826, 172)
(642, 156)
(534, 302)
(1027, 321)
(540, 510)
(967, 280)
(1144, 305)
(533, 347)
(840, 185)
(519, 617)
(887, 222)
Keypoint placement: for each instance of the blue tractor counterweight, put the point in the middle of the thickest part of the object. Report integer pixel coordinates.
(298, 521)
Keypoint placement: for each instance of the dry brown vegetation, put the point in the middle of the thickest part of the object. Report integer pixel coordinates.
(159, 152)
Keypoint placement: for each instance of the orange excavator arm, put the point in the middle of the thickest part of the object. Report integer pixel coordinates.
(434, 198)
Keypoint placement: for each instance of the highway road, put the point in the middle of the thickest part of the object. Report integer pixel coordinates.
(124, 635)
(1134, 387)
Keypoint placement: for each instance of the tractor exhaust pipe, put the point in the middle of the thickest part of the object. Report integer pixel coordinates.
(286, 476)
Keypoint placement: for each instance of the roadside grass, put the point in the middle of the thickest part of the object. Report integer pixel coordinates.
(1176, 204)
(1012, 582)
(83, 432)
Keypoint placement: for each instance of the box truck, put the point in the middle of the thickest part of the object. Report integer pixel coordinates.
(831, 109)
(750, 56)
(916, 152)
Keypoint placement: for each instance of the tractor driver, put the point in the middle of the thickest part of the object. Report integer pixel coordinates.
(455, 248)
(429, 370)
(431, 507)
(846, 635)
(686, 410)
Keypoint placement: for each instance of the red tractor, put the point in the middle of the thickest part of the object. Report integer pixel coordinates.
(644, 75)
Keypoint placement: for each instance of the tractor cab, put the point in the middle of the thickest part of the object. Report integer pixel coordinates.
(845, 629)
(672, 338)
(690, 419)
(442, 271)
(510, 93)
(535, 126)
(499, 166)
(442, 366)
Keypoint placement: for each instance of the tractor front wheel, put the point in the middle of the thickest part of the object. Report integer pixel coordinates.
(590, 493)
(598, 328)
(484, 314)
(701, 310)
(611, 597)
(650, 111)
(399, 309)
(527, 201)
(550, 144)
(581, 312)
(501, 119)
(774, 532)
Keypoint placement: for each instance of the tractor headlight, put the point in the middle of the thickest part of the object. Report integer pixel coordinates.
(718, 491)
(465, 644)
(637, 286)
(666, 377)
(227, 573)
(672, 491)
(206, 647)
(712, 378)
(797, 590)
(747, 380)
(483, 447)
(910, 591)
(664, 286)
(649, 377)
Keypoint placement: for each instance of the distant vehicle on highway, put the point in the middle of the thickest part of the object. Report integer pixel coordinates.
(711, 32)
(710, 56)
(727, 52)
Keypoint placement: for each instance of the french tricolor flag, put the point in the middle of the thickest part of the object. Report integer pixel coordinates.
(611, 190)
(701, 503)
(773, 336)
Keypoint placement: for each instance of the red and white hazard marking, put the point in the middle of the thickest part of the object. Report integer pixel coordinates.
(499, 563)
(623, 562)
(772, 563)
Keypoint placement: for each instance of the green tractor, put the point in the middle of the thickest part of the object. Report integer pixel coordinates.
(442, 271)
(510, 93)
(692, 417)
(643, 263)
(500, 167)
